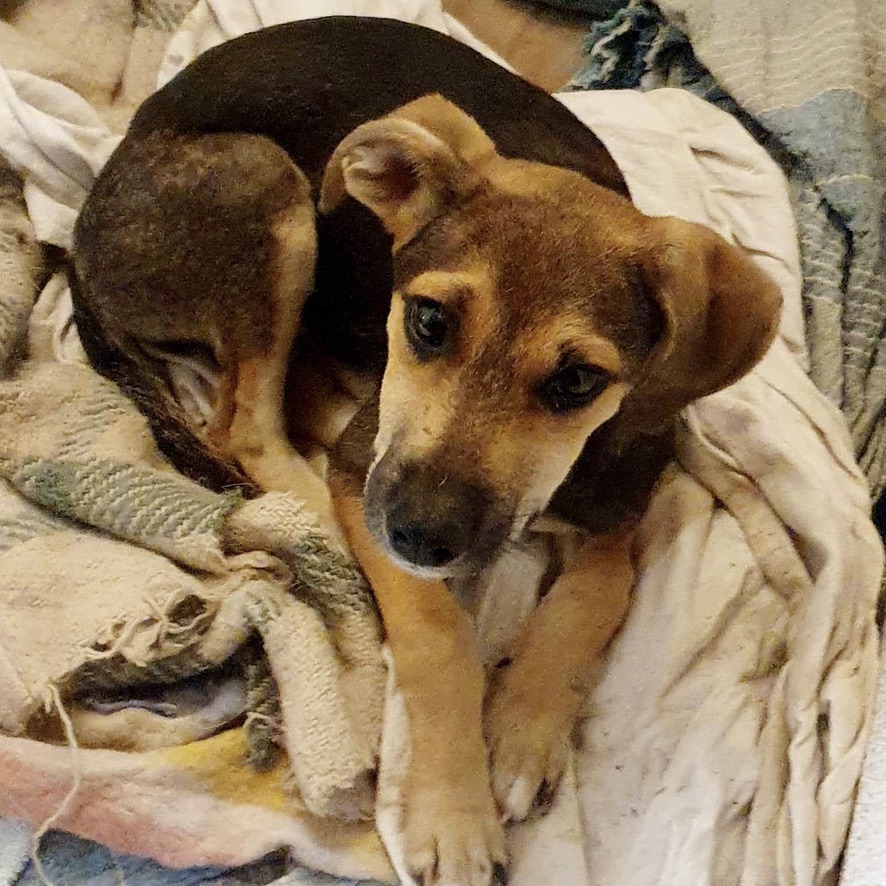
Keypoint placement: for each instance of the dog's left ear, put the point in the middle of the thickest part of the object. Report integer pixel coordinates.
(720, 315)
(410, 166)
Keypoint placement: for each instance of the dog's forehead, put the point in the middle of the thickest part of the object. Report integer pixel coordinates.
(565, 256)
(545, 225)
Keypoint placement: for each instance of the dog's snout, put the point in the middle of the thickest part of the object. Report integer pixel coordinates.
(432, 519)
(423, 545)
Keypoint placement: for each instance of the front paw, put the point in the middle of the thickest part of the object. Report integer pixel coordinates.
(454, 836)
(528, 726)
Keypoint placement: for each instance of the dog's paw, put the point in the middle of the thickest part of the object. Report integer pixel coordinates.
(454, 839)
(529, 736)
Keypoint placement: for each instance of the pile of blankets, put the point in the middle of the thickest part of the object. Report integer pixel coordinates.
(725, 736)
(807, 80)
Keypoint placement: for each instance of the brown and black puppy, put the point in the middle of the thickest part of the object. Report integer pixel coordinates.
(525, 337)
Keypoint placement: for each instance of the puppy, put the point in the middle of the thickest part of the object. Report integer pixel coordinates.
(521, 336)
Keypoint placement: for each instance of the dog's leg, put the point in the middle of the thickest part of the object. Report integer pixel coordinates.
(534, 701)
(452, 830)
(256, 432)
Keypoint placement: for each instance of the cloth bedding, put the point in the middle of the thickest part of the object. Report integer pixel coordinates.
(726, 732)
(807, 81)
(806, 78)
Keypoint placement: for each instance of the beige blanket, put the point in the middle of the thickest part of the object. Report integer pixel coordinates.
(136, 608)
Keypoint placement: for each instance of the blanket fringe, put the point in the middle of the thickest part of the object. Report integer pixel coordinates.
(55, 701)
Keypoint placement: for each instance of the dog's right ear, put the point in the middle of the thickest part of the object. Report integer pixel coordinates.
(410, 166)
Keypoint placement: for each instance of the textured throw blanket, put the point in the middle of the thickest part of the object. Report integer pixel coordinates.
(138, 611)
(724, 738)
(116, 574)
(807, 80)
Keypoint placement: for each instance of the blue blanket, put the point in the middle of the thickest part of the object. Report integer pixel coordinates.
(70, 861)
(828, 135)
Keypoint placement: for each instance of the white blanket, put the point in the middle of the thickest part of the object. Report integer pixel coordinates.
(727, 730)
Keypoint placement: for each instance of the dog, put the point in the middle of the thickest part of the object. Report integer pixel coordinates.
(366, 207)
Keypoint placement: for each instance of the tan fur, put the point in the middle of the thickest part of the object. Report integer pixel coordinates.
(452, 829)
(256, 435)
(502, 444)
(533, 705)
(444, 147)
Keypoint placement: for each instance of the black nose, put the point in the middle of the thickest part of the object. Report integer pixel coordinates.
(432, 518)
(422, 545)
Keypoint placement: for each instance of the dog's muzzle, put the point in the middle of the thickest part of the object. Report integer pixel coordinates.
(429, 519)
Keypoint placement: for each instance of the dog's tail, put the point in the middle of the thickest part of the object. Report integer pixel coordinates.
(190, 455)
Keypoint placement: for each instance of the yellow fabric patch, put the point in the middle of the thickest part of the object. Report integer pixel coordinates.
(219, 764)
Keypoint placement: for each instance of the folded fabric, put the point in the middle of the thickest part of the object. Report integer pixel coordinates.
(725, 735)
(117, 573)
(806, 80)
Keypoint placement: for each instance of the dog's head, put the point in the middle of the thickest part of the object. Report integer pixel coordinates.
(530, 305)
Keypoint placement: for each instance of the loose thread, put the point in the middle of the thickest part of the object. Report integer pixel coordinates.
(76, 783)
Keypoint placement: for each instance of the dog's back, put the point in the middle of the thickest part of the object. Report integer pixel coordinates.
(306, 85)
(302, 87)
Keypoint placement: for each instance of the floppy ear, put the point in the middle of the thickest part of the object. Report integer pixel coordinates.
(720, 314)
(410, 166)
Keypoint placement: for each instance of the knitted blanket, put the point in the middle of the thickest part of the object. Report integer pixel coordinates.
(117, 575)
(205, 669)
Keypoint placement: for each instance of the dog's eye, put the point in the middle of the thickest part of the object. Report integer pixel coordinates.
(427, 326)
(573, 386)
